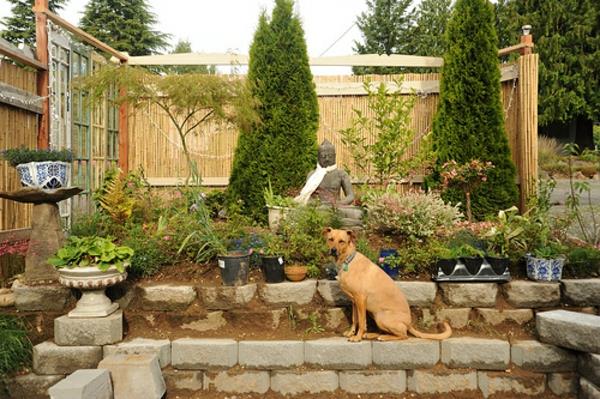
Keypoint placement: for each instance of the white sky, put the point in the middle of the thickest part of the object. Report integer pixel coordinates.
(220, 26)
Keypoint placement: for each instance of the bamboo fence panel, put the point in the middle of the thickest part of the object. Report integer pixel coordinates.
(17, 128)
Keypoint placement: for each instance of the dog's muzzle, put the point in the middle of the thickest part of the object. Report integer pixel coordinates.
(333, 252)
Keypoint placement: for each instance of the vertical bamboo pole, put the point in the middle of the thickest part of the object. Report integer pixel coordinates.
(123, 130)
(41, 38)
(528, 122)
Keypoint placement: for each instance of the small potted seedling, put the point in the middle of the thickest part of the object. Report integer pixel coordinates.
(546, 263)
(272, 260)
(470, 256)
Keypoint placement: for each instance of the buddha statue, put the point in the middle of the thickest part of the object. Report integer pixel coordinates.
(326, 180)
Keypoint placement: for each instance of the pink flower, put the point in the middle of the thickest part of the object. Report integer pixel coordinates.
(167, 238)
(381, 260)
(250, 251)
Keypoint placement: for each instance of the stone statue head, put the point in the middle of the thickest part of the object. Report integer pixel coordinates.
(326, 154)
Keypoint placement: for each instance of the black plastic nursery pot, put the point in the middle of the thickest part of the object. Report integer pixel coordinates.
(234, 268)
(447, 265)
(272, 267)
(498, 265)
(472, 263)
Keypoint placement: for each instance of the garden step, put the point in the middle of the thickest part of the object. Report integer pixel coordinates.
(579, 331)
(51, 359)
(588, 365)
(84, 384)
(166, 297)
(479, 353)
(530, 294)
(160, 347)
(504, 384)
(31, 386)
(584, 292)
(481, 295)
(536, 356)
(135, 376)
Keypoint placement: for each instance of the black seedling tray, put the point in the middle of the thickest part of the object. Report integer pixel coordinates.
(460, 273)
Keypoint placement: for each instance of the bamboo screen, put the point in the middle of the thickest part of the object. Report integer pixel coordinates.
(17, 128)
(154, 143)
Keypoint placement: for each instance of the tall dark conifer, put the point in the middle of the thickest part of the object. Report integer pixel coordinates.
(20, 26)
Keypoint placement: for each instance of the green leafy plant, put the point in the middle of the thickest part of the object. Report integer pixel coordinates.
(313, 271)
(272, 199)
(92, 251)
(114, 197)
(16, 156)
(15, 346)
(292, 316)
(363, 246)
(583, 262)
(505, 234)
(302, 231)
(273, 244)
(203, 243)
(551, 250)
(151, 248)
(315, 325)
(466, 251)
(413, 257)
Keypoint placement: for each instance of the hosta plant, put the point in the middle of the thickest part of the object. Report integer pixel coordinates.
(92, 251)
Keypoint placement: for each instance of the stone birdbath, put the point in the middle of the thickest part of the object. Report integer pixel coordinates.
(47, 235)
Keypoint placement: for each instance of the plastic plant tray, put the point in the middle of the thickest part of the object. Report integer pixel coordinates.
(460, 273)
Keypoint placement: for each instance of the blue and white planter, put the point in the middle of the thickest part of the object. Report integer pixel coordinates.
(540, 269)
(44, 175)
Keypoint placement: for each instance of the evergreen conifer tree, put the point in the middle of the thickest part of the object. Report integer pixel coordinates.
(281, 149)
(124, 25)
(431, 19)
(20, 26)
(469, 123)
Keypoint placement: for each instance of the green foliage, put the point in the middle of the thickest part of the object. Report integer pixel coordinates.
(126, 26)
(551, 250)
(197, 234)
(428, 35)
(315, 325)
(469, 123)
(15, 347)
(184, 47)
(20, 26)
(313, 271)
(94, 224)
(386, 28)
(114, 197)
(272, 199)
(364, 247)
(414, 257)
(273, 244)
(92, 251)
(390, 124)
(283, 148)
(583, 262)
(16, 156)
(466, 251)
(302, 230)
(151, 249)
(506, 234)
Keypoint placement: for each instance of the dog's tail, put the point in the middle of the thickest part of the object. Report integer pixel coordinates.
(443, 335)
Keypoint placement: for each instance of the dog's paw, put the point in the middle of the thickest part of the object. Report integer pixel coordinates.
(351, 332)
(355, 338)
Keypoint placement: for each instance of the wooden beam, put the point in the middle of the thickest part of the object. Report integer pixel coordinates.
(517, 48)
(190, 59)
(14, 235)
(43, 78)
(20, 99)
(84, 36)
(180, 181)
(9, 50)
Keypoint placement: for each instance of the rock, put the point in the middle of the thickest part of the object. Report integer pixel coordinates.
(243, 382)
(338, 353)
(159, 347)
(470, 294)
(439, 382)
(372, 382)
(418, 293)
(223, 298)
(457, 317)
(588, 366)
(496, 316)
(332, 294)
(530, 294)
(571, 330)
(276, 317)
(213, 321)
(584, 292)
(51, 359)
(167, 297)
(477, 353)
(536, 356)
(296, 293)
(294, 383)
(184, 379)
(335, 318)
(411, 353)
(504, 384)
(84, 384)
(90, 331)
(7, 298)
(201, 354)
(32, 298)
(135, 376)
(271, 355)
(31, 386)
(587, 390)
(563, 384)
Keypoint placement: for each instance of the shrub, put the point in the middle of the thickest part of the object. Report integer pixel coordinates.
(549, 150)
(15, 347)
(302, 230)
(583, 262)
(414, 215)
(415, 257)
(16, 156)
(151, 250)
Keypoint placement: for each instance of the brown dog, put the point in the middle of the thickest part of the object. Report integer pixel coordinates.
(371, 289)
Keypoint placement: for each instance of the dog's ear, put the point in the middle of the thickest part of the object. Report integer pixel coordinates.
(326, 231)
(351, 235)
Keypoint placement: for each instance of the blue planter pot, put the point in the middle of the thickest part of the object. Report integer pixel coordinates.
(391, 271)
(540, 269)
(44, 175)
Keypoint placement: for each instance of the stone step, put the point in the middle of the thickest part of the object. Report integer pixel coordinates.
(84, 384)
(567, 329)
(135, 376)
(51, 359)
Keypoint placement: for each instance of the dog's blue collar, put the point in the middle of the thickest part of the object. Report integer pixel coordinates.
(349, 259)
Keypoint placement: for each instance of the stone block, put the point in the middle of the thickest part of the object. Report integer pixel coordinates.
(477, 353)
(373, 382)
(270, 354)
(588, 365)
(224, 297)
(332, 294)
(51, 359)
(496, 316)
(31, 386)
(571, 330)
(7, 298)
(418, 293)
(84, 384)
(587, 390)
(183, 379)
(412, 353)
(212, 321)
(201, 354)
(135, 376)
(457, 317)
(159, 347)
(536, 356)
(338, 353)
(91, 331)
(294, 383)
(296, 293)
(32, 298)
(563, 384)
(531, 294)
(242, 382)
(166, 297)
(335, 318)
(511, 385)
(470, 295)
(583, 292)
(439, 382)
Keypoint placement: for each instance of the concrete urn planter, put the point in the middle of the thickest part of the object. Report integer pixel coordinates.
(92, 282)
(276, 214)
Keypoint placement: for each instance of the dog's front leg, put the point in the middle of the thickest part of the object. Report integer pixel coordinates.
(361, 315)
(352, 331)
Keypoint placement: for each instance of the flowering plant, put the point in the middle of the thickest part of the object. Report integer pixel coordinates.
(466, 177)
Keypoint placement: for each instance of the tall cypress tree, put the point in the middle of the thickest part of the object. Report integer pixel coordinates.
(283, 148)
(124, 25)
(469, 123)
(20, 27)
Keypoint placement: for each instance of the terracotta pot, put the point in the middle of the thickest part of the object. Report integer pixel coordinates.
(296, 272)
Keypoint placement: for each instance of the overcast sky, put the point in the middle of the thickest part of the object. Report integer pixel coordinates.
(220, 26)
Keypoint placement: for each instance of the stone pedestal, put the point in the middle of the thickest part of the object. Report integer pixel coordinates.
(90, 331)
(84, 384)
(135, 376)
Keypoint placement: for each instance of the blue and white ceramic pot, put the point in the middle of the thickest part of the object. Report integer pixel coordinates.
(541, 269)
(44, 175)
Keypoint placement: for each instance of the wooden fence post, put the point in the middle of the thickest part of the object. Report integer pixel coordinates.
(123, 130)
(41, 49)
(528, 121)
